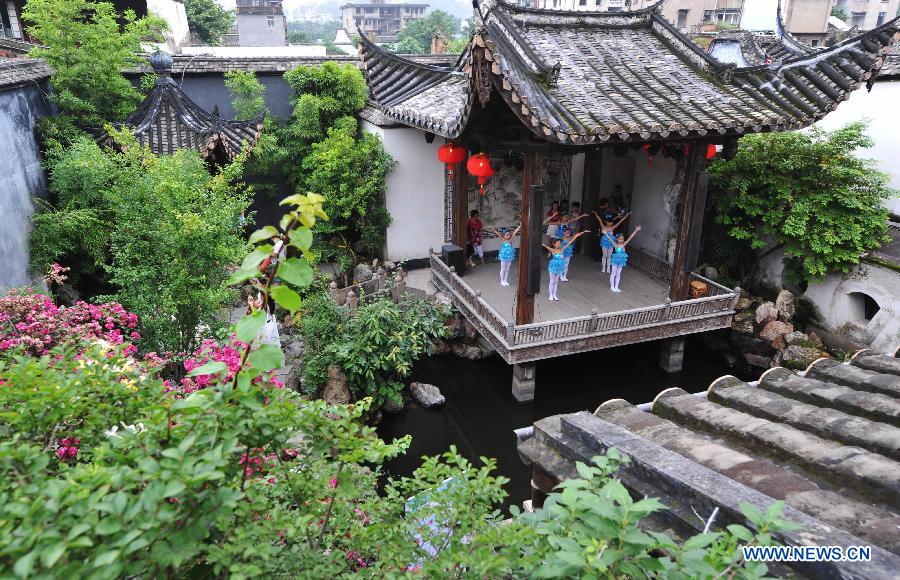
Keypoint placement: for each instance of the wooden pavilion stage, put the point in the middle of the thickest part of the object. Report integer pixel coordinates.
(587, 290)
(588, 316)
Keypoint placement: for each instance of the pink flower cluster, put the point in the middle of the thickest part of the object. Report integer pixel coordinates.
(68, 448)
(34, 322)
(257, 462)
(210, 350)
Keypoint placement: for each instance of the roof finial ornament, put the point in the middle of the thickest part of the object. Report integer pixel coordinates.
(161, 63)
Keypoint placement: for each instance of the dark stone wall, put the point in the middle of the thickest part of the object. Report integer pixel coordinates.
(208, 91)
(21, 177)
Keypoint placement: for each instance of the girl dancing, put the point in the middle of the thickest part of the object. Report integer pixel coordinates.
(557, 263)
(608, 237)
(619, 259)
(507, 253)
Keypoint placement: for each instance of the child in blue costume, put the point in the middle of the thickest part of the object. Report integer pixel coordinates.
(608, 237)
(619, 259)
(507, 253)
(557, 263)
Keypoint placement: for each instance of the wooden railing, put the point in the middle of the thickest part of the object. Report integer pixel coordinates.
(653, 266)
(721, 300)
(471, 298)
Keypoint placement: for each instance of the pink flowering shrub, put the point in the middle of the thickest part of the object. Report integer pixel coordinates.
(33, 322)
(210, 350)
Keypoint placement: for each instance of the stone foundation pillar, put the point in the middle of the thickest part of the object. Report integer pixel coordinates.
(671, 355)
(523, 382)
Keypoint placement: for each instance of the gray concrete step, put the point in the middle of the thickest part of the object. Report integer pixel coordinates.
(825, 422)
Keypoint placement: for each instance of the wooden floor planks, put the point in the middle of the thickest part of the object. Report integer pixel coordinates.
(587, 289)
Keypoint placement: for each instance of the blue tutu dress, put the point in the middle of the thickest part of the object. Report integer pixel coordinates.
(606, 240)
(619, 257)
(569, 251)
(507, 252)
(557, 264)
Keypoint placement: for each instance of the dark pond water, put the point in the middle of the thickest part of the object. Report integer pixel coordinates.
(480, 413)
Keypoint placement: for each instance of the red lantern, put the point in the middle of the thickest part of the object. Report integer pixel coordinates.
(710, 151)
(646, 147)
(479, 165)
(450, 154)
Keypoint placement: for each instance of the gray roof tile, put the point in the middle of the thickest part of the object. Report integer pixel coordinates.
(15, 72)
(586, 78)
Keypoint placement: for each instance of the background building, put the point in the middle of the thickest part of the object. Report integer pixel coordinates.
(11, 20)
(692, 16)
(378, 17)
(258, 23)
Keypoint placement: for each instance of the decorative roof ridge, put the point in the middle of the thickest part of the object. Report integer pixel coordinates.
(688, 49)
(369, 48)
(510, 29)
(819, 54)
(579, 14)
(790, 43)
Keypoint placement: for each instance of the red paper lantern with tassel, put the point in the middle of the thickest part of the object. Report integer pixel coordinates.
(646, 147)
(479, 165)
(450, 154)
(710, 151)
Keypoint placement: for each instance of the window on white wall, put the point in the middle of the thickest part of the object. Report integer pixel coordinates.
(271, 22)
(857, 19)
(682, 18)
(881, 17)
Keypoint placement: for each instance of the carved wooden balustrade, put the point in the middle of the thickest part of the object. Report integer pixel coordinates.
(593, 330)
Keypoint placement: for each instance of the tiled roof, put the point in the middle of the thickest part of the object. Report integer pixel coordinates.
(13, 46)
(269, 65)
(169, 120)
(15, 72)
(826, 441)
(591, 77)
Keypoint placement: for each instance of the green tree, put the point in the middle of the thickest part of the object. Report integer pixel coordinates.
(458, 45)
(87, 44)
(352, 174)
(408, 45)
(423, 29)
(840, 13)
(805, 192)
(248, 94)
(208, 21)
(155, 232)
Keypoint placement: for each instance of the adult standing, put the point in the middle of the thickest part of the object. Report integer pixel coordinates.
(474, 228)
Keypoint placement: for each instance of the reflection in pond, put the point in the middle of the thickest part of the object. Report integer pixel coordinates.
(480, 413)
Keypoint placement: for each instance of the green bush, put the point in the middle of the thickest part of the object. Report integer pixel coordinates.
(377, 347)
(156, 232)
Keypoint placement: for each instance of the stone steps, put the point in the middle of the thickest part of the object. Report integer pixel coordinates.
(855, 377)
(762, 475)
(842, 465)
(824, 422)
(874, 406)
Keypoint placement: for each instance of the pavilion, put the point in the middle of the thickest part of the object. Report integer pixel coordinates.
(168, 120)
(579, 107)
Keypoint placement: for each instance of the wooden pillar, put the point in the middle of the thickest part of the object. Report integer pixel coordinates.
(460, 204)
(696, 165)
(590, 198)
(524, 299)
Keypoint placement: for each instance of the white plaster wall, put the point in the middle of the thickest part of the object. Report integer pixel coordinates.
(884, 127)
(831, 295)
(173, 13)
(653, 202)
(415, 193)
